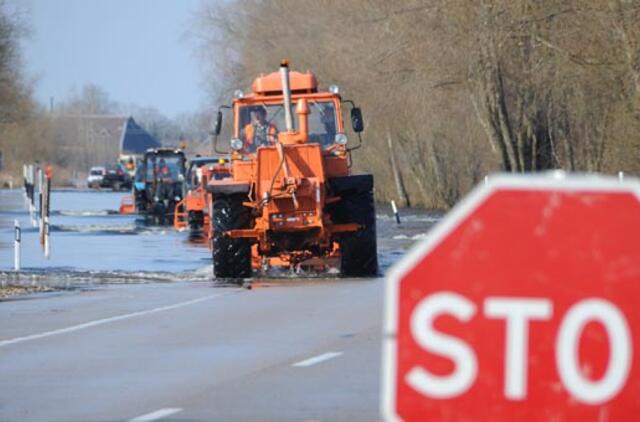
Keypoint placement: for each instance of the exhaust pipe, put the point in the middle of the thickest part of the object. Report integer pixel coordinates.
(286, 93)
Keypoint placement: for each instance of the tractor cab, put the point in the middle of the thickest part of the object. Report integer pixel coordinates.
(216, 166)
(260, 117)
(160, 183)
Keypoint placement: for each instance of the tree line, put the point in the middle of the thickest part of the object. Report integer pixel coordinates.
(452, 90)
(19, 126)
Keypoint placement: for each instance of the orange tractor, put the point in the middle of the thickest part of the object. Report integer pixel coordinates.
(193, 211)
(291, 200)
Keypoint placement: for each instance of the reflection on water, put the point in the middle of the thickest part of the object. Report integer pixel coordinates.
(90, 239)
(87, 234)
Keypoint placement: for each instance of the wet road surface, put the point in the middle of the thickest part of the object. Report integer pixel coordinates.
(118, 352)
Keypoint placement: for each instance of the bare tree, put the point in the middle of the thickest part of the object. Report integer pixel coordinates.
(452, 89)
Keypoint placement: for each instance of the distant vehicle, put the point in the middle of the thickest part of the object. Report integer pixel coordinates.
(96, 176)
(117, 178)
(193, 210)
(160, 184)
(219, 169)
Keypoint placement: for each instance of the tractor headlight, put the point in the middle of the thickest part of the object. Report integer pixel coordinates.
(238, 93)
(334, 89)
(341, 139)
(236, 144)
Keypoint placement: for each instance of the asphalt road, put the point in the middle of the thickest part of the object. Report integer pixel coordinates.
(300, 351)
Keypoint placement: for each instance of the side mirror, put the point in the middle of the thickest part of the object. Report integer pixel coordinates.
(356, 120)
(218, 125)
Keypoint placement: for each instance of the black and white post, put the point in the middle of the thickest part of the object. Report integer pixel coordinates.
(396, 214)
(47, 239)
(45, 207)
(40, 181)
(16, 246)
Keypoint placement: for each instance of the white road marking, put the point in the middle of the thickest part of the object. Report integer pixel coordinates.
(158, 414)
(107, 320)
(316, 359)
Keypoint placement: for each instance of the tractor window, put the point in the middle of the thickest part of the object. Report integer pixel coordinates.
(139, 172)
(167, 168)
(259, 125)
(322, 123)
(193, 169)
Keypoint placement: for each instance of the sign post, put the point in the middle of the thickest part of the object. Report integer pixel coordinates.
(521, 304)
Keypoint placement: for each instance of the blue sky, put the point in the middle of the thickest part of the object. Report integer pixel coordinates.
(136, 50)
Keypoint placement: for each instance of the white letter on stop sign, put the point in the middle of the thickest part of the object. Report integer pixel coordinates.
(517, 313)
(567, 358)
(466, 366)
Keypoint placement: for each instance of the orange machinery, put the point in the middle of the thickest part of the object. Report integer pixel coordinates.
(193, 211)
(291, 199)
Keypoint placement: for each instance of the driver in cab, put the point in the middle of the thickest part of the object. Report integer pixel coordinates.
(163, 171)
(258, 132)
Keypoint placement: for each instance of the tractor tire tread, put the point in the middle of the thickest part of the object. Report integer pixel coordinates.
(231, 257)
(359, 251)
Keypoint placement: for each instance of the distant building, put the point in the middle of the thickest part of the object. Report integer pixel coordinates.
(86, 140)
(135, 141)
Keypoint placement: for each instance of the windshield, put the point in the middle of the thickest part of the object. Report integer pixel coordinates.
(259, 125)
(195, 165)
(167, 168)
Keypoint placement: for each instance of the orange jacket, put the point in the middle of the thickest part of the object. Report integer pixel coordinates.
(249, 131)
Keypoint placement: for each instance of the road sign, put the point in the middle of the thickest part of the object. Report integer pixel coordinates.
(523, 303)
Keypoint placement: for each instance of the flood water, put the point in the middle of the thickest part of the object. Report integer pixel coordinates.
(88, 235)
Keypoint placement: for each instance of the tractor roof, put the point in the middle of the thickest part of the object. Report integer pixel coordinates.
(207, 159)
(271, 84)
(164, 151)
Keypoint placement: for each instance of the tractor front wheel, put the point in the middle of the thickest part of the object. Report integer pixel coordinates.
(231, 256)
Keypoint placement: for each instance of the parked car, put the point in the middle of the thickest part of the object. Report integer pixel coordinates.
(96, 177)
(116, 177)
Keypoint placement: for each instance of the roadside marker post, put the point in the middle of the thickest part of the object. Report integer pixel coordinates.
(396, 214)
(47, 239)
(40, 179)
(520, 304)
(46, 206)
(16, 246)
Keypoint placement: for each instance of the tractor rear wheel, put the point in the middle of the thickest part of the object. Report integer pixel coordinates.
(231, 256)
(358, 250)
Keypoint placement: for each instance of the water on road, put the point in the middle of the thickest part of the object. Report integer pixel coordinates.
(89, 236)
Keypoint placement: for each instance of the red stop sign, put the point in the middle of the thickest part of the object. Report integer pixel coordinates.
(523, 304)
